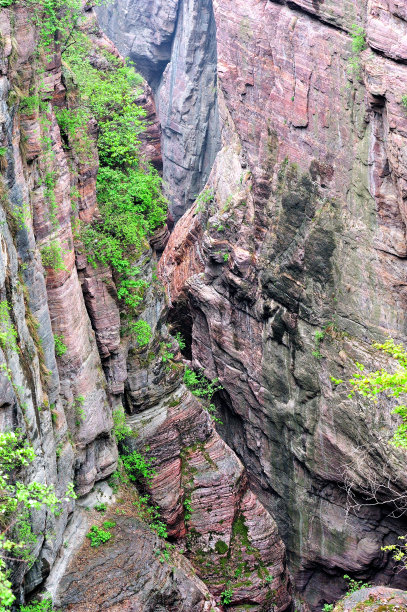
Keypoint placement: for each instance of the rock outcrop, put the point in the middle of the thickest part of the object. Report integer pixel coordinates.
(133, 572)
(373, 599)
(69, 362)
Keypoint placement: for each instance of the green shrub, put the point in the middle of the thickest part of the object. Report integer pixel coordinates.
(16, 502)
(203, 388)
(79, 409)
(180, 339)
(52, 256)
(129, 192)
(120, 428)
(151, 515)
(101, 507)
(60, 347)
(328, 607)
(39, 606)
(98, 536)
(355, 585)
(188, 508)
(226, 596)
(358, 36)
(142, 331)
(137, 466)
(8, 333)
(221, 547)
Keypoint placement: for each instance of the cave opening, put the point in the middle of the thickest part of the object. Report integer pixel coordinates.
(180, 321)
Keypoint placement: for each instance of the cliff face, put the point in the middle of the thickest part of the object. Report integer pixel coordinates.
(301, 229)
(69, 363)
(174, 47)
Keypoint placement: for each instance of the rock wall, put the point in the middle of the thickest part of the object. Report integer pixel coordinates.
(301, 230)
(64, 401)
(174, 46)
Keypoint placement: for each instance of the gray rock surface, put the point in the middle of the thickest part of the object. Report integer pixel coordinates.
(174, 46)
(132, 573)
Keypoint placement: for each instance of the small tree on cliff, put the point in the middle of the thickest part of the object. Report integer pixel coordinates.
(393, 385)
(17, 499)
(382, 382)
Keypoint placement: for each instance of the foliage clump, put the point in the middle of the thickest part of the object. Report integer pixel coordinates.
(358, 36)
(98, 536)
(142, 331)
(39, 606)
(16, 502)
(203, 388)
(129, 193)
(52, 256)
(60, 346)
(8, 333)
(392, 384)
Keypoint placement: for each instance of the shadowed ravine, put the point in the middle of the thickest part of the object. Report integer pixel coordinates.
(280, 132)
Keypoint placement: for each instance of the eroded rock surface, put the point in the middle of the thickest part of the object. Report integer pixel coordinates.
(375, 599)
(302, 230)
(130, 574)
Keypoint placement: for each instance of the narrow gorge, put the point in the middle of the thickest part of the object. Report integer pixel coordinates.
(177, 429)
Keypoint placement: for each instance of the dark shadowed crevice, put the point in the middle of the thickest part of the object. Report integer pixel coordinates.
(180, 321)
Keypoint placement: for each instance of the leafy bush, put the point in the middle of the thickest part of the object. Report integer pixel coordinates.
(180, 339)
(226, 596)
(392, 384)
(39, 606)
(60, 347)
(120, 428)
(355, 585)
(151, 515)
(79, 409)
(128, 189)
(52, 256)
(98, 536)
(203, 388)
(101, 507)
(8, 333)
(142, 331)
(137, 466)
(16, 502)
(358, 36)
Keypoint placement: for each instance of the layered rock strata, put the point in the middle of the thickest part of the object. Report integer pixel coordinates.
(302, 230)
(63, 400)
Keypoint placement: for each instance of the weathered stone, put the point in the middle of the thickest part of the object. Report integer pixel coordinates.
(129, 574)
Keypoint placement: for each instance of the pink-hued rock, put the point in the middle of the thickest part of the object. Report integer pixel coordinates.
(198, 475)
(387, 28)
(306, 227)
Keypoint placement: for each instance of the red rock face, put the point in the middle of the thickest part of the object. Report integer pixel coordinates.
(204, 497)
(305, 232)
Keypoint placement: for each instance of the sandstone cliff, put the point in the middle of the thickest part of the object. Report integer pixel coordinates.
(301, 229)
(69, 365)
